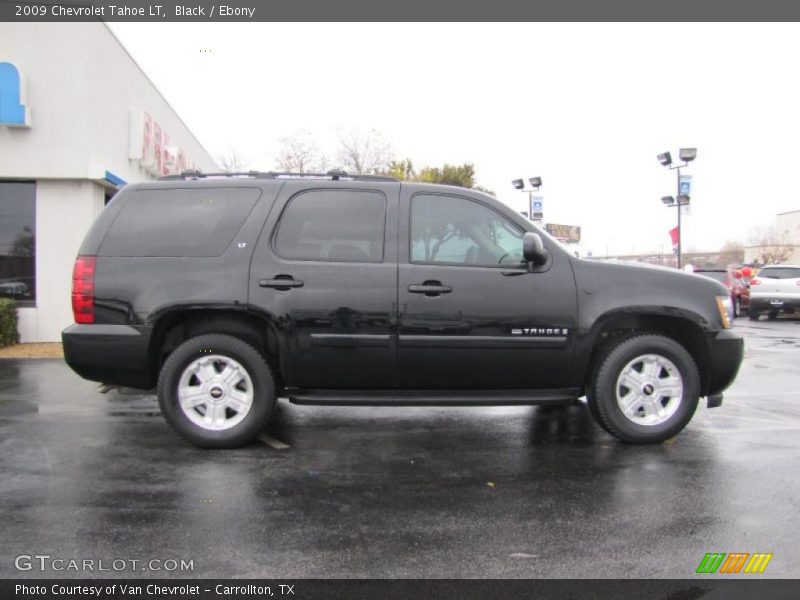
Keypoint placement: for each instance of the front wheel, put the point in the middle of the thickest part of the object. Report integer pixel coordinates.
(216, 391)
(737, 308)
(646, 389)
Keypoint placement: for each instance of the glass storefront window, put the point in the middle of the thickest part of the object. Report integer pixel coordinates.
(18, 240)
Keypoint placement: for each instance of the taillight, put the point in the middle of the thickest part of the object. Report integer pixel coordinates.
(755, 281)
(83, 289)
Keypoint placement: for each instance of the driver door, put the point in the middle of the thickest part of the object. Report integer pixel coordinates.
(466, 297)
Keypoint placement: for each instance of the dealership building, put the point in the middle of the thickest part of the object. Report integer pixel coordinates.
(78, 120)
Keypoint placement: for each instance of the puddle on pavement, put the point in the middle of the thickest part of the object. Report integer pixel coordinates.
(136, 405)
(10, 407)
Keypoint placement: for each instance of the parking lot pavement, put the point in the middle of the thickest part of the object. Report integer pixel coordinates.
(403, 492)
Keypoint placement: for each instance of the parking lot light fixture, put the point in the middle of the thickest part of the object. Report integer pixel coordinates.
(687, 155)
(535, 183)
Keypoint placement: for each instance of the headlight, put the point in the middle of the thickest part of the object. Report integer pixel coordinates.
(725, 310)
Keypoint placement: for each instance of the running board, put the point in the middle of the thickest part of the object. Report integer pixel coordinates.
(430, 397)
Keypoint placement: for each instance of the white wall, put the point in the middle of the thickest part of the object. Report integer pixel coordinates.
(63, 209)
(81, 85)
(789, 224)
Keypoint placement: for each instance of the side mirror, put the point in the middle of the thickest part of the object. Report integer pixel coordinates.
(533, 250)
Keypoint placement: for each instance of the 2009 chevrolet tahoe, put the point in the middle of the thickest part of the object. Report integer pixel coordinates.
(226, 292)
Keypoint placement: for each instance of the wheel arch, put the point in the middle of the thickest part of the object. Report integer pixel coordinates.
(176, 326)
(687, 329)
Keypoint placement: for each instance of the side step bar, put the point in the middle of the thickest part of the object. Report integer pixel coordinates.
(430, 397)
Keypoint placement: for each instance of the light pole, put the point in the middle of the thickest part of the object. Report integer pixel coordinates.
(536, 183)
(687, 155)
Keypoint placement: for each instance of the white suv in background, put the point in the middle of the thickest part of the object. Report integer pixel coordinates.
(775, 289)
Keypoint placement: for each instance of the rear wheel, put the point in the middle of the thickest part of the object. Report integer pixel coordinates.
(646, 389)
(772, 315)
(752, 313)
(216, 391)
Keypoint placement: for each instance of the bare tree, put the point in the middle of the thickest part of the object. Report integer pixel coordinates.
(231, 162)
(364, 152)
(731, 253)
(299, 153)
(770, 246)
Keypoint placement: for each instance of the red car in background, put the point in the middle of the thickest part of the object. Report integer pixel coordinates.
(734, 281)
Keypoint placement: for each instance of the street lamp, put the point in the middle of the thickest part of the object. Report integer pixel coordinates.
(535, 183)
(687, 155)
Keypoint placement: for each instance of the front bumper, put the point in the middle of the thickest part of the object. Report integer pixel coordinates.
(725, 352)
(114, 354)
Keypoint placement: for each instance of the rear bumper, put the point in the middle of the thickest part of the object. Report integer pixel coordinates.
(115, 354)
(765, 303)
(725, 351)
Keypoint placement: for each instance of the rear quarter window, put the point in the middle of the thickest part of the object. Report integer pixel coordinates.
(194, 222)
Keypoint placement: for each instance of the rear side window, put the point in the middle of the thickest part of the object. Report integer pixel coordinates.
(179, 222)
(333, 225)
(779, 273)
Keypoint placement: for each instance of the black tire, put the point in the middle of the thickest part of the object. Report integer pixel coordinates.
(737, 308)
(604, 389)
(592, 404)
(752, 313)
(259, 372)
(772, 315)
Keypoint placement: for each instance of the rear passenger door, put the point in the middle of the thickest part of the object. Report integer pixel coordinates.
(325, 274)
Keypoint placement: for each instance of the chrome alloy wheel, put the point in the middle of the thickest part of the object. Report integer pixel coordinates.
(215, 392)
(649, 389)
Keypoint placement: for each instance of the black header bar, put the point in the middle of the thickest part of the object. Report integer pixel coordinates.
(228, 11)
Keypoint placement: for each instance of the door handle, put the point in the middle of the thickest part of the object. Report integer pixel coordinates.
(280, 282)
(430, 288)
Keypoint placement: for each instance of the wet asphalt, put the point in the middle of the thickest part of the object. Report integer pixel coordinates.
(402, 492)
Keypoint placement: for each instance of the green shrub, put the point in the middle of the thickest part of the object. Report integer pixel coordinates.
(8, 322)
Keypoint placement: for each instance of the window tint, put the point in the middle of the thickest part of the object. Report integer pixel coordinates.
(18, 240)
(179, 222)
(333, 225)
(779, 273)
(449, 229)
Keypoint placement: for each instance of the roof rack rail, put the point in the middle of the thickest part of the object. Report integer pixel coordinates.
(332, 175)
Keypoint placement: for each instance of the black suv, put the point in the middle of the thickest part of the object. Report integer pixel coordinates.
(229, 291)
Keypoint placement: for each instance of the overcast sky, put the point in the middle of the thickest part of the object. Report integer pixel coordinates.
(585, 106)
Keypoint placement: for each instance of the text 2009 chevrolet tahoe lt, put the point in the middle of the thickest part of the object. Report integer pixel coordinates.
(227, 292)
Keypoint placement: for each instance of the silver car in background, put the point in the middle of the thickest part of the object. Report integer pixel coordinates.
(776, 289)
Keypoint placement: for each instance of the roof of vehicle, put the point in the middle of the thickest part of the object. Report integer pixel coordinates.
(333, 175)
(780, 267)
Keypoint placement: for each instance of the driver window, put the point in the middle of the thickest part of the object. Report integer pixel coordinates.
(453, 230)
